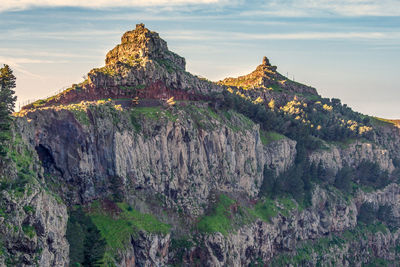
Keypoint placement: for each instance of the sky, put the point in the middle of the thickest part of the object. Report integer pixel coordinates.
(345, 49)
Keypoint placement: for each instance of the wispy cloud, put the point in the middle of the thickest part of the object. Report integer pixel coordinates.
(287, 8)
(23, 4)
(23, 34)
(202, 35)
(17, 64)
(309, 8)
(25, 53)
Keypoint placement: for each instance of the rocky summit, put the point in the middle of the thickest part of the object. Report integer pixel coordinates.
(145, 164)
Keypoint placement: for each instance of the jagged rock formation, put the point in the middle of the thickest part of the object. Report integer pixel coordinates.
(184, 184)
(143, 43)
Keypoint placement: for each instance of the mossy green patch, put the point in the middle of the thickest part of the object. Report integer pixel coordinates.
(29, 230)
(149, 112)
(29, 209)
(23, 159)
(117, 228)
(81, 116)
(219, 219)
(288, 206)
(269, 137)
(265, 209)
(375, 121)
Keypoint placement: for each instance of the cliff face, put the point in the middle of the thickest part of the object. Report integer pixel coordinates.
(188, 154)
(184, 159)
(191, 181)
(329, 215)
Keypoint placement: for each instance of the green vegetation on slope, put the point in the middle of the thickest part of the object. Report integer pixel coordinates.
(220, 218)
(227, 215)
(109, 227)
(23, 160)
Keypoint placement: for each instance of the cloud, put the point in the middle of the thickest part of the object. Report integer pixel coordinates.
(309, 8)
(16, 63)
(278, 8)
(202, 35)
(24, 4)
(44, 54)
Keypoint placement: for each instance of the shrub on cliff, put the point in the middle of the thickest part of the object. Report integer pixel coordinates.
(369, 173)
(343, 179)
(367, 213)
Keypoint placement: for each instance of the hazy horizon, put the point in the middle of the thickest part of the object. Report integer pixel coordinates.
(348, 50)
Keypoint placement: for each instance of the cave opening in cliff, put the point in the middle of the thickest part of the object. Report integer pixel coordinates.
(45, 157)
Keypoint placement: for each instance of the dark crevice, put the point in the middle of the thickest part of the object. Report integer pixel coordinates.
(47, 159)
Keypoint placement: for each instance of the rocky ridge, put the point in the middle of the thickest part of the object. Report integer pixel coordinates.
(265, 76)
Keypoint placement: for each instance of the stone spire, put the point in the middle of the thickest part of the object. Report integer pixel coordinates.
(142, 43)
(265, 61)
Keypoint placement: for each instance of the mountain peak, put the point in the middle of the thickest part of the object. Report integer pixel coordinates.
(141, 43)
(265, 61)
(260, 77)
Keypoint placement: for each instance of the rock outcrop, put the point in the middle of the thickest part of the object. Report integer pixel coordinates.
(263, 241)
(280, 155)
(146, 250)
(265, 76)
(142, 43)
(335, 157)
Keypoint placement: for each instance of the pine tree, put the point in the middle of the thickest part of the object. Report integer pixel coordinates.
(7, 84)
(7, 104)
